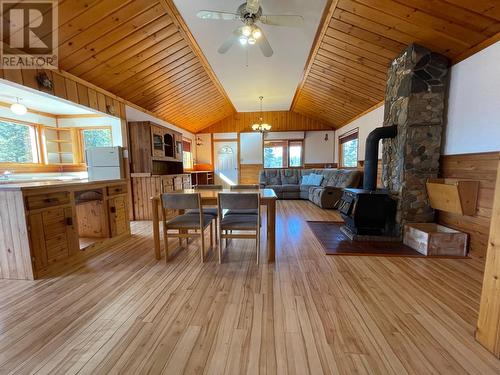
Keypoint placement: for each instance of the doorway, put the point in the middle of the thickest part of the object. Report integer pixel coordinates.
(226, 163)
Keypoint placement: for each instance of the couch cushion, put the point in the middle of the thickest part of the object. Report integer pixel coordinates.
(289, 176)
(315, 179)
(270, 177)
(290, 187)
(277, 188)
(305, 187)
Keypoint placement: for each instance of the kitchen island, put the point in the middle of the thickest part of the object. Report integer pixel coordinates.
(46, 225)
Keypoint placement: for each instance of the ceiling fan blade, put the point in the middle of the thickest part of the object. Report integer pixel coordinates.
(233, 38)
(282, 20)
(252, 6)
(264, 45)
(216, 15)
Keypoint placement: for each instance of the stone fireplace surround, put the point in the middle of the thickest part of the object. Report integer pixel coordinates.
(415, 101)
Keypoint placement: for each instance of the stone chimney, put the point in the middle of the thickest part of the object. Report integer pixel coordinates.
(415, 101)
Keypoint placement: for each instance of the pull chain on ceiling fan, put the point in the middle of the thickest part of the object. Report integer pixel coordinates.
(249, 13)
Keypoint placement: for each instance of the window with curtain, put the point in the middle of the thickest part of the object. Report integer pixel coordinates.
(348, 150)
(283, 154)
(187, 154)
(18, 143)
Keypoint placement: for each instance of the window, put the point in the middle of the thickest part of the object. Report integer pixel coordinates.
(18, 143)
(187, 155)
(96, 137)
(348, 150)
(283, 154)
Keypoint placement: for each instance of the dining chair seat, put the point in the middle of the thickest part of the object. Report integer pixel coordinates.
(239, 222)
(206, 210)
(243, 211)
(189, 221)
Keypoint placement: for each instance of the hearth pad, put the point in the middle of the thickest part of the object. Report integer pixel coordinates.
(335, 242)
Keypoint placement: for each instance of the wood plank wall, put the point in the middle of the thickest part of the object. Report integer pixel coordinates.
(482, 167)
(279, 120)
(69, 88)
(249, 173)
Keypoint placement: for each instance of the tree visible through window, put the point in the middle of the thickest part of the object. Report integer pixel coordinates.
(349, 150)
(96, 138)
(283, 154)
(18, 143)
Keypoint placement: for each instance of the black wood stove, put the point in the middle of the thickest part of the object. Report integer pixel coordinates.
(370, 211)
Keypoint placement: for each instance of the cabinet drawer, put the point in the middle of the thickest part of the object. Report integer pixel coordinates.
(47, 200)
(115, 190)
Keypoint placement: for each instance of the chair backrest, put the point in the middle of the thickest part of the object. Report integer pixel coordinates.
(208, 187)
(228, 201)
(245, 187)
(180, 201)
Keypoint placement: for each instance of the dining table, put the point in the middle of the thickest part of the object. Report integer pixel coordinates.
(209, 198)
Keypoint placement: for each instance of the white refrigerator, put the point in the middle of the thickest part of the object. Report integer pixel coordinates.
(104, 163)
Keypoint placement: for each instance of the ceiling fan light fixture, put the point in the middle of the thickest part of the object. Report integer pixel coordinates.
(243, 40)
(256, 33)
(252, 40)
(246, 30)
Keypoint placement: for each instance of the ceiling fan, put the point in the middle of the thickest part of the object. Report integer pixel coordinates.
(249, 13)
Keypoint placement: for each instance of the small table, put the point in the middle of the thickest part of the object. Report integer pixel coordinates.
(209, 198)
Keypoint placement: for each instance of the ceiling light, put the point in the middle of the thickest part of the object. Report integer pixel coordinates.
(261, 126)
(252, 40)
(18, 108)
(246, 30)
(243, 40)
(256, 33)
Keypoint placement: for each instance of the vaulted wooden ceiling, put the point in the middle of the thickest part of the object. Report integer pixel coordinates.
(142, 51)
(138, 50)
(346, 72)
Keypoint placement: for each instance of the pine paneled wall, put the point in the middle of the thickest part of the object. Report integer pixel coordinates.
(483, 168)
(279, 120)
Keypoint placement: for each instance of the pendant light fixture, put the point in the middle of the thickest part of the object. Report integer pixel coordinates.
(261, 126)
(18, 108)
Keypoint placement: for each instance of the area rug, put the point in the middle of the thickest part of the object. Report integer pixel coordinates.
(334, 242)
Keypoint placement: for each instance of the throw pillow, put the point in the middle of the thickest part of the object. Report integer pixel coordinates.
(305, 180)
(315, 179)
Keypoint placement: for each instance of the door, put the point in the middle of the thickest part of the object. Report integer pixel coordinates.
(226, 163)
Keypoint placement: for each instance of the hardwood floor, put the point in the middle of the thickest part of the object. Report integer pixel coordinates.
(124, 312)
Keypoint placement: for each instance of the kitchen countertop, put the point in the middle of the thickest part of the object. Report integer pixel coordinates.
(29, 185)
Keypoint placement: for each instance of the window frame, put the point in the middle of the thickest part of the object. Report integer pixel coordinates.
(39, 157)
(81, 140)
(187, 140)
(344, 138)
(286, 152)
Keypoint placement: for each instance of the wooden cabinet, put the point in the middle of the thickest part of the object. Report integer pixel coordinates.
(118, 215)
(53, 236)
(155, 149)
(44, 224)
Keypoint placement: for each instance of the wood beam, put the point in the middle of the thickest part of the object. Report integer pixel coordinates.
(488, 324)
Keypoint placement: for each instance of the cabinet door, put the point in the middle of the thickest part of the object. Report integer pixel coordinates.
(53, 236)
(118, 220)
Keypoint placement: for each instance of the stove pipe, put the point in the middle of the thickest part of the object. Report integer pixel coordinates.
(371, 154)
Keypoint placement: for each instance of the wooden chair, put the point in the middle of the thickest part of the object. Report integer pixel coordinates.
(208, 210)
(184, 222)
(242, 211)
(239, 222)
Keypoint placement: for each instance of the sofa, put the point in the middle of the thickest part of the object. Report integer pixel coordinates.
(287, 184)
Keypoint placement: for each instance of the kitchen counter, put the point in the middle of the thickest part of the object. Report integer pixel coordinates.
(28, 185)
(46, 225)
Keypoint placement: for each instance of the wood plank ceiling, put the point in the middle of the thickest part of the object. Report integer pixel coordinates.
(138, 50)
(346, 71)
